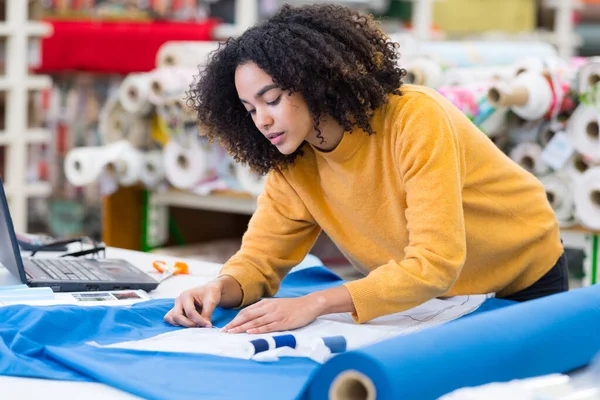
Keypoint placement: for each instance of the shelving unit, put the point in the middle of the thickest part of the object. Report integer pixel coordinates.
(214, 202)
(17, 83)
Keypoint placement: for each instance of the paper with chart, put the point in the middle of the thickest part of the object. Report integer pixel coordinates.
(213, 341)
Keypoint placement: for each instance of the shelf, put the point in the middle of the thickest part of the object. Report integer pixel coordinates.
(112, 46)
(33, 82)
(32, 136)
(32, 29)
(215, 202)
(37, 189)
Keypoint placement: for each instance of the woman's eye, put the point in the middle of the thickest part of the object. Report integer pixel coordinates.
(274, 102)
(250, 112)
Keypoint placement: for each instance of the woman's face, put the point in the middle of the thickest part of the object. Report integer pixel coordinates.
(282, 118)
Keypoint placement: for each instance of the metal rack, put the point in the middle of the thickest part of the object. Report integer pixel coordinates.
(17, 29)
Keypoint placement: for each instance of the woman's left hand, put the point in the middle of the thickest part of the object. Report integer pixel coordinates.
(270, 315)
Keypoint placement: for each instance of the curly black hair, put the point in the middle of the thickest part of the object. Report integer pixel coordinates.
(337, 58)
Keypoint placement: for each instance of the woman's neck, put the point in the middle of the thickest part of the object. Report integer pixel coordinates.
(330, 136)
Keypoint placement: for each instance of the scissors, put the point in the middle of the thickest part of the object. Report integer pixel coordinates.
(169, 270)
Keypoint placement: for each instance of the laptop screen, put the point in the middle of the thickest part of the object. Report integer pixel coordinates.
(10, 255)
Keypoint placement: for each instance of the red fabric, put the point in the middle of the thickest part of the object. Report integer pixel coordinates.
(113, 47)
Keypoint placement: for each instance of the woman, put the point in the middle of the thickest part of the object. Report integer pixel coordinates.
(408, 188)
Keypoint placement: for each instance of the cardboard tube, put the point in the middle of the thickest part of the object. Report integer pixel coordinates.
(580, 164)
(592, 130)
(353, 385)
(595, 198)
(515, 95)
(593, 79)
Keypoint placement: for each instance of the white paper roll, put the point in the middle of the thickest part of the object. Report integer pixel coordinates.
(424, 71)
(576, 166)
(589, 74)
(185, 167)
(84, 165)
(116, 124)
(134, 93)
(153, 169)
(583, 130)
(587, 199)
(529, 156)
(170, 82)
(251, 182)
(560, 196)
(130, 165)
(185, 53)
(528, 95)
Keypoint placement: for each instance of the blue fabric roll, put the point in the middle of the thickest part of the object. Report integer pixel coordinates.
(553, 334)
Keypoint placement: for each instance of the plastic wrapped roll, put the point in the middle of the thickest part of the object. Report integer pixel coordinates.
(529, 95)
(529, 156)
(134, 94)
(560, 196)
(153, 169)
(587, 198)
(584, 133)
(84, 165)
(170, 82)
(117, 124)
(424, 71)
(577, 165)
(472, 101)
(589, 75)
(187, 54)
(185, 167)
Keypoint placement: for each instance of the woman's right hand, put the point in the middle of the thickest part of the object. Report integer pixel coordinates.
(194, 307)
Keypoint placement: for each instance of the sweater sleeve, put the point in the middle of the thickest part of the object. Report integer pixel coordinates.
(280, 234)
(432, 169)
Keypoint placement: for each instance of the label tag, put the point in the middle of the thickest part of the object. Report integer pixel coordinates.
(558, 151)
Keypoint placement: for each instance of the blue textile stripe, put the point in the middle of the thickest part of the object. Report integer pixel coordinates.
(259, 345)
(285, 341)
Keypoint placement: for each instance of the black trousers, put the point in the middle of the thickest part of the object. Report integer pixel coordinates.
(555, 281)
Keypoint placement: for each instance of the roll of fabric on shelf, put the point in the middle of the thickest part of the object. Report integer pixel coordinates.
(153, 169)
(587, 198)
(185, 54)
(584, 131)
(471, 99)
(85, 165)
(539, 90)
(529, 156)
(169, 82)
(115, 123)
(134, 94)
(589, 75)
(429, 72)
(186, 163)
(469, 53)
(559, 191)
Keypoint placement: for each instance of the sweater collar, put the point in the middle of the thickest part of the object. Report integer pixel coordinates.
(345, 149)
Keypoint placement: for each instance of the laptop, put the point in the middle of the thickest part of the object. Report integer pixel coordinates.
(64, 274)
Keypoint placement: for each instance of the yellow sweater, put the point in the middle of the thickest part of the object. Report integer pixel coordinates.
(426, 207)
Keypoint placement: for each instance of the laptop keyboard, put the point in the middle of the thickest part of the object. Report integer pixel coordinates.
(64, 270)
